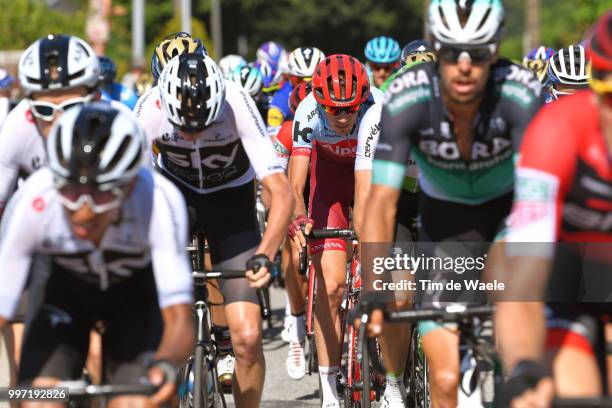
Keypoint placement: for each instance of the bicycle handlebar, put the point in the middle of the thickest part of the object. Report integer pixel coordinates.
(447, 315)
(234, 274)
(322, 234)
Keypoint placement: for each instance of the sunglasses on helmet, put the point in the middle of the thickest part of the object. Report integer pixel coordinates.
(335, 111)
(99, 201)
(475, 55)
(46, 110)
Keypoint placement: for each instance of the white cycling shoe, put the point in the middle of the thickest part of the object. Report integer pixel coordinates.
(225, 369)
(286, 333)
(390, 402)
(296, 361)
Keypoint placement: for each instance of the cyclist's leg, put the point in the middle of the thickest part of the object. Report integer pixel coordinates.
(330, 198)
(441, 347)
(396, 336)
(233, 239)
(57, 335)
(133, 332)
(573, 343)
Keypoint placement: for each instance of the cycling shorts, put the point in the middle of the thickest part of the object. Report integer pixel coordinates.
(57, 332)
(332, 188)
(455, 230)
(229, 221)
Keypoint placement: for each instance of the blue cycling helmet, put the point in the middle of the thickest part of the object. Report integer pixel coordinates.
(417, 50)
(6, 80)
(537, 60)
(108, 69)
(271, 52)
(382, 50)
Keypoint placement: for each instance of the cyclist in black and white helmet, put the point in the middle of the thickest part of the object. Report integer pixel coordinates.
(567, 72)
(114, 233)
(211, 143)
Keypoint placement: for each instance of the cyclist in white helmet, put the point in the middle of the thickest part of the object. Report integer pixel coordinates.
(113, 234)
(461, 119)
(56, 72)
(230, 63)
(212, 143)
(301, 66)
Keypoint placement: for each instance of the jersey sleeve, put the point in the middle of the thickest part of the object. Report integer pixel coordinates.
(251, 128)
(542, 178)
(523, 92)
(149, 113)
(20, 233)
(367, 137)
(283, 142)
(9, 153)
(168, 239)
(397, 124)
(305, 123)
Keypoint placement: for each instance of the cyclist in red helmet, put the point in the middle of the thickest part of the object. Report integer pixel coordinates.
(327, 127)
(564, 195)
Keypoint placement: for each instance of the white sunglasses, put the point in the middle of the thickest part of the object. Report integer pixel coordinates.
(46, 110)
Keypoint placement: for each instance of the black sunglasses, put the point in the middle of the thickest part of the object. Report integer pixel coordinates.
(475, 54)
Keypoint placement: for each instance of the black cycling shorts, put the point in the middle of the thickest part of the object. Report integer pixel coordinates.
(229, 221)
(57, 334)
(452, 230)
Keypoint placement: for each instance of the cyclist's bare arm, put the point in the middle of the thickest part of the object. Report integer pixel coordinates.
(298, 172)
(381, 206)
(281, 210)
(521, 325)
(362, 189)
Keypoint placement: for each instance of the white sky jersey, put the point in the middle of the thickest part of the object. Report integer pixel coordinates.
(228, 153)
(5, 105)
(311, 127)
(22, 148)
(152, 230)
(367, 140)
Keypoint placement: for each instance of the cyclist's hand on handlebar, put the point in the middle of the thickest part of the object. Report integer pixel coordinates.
(539, 397)
(375, 323)
(158, 377)
(296, 236)
(258, 271)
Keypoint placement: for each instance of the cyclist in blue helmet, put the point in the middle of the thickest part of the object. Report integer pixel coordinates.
(112, 90)
(537, 60)
(383, 58)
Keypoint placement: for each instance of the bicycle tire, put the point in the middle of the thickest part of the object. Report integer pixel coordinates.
(365, 375)
(200, 378)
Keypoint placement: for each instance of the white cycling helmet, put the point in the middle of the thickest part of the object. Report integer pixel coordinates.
(249, 78)
(466, 22)
(96, 145)
(304, 60)
(229, 63)
(192, 91)
(569, 66)
(58, 62)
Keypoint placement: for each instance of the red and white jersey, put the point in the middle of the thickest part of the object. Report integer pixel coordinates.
(228, 153)
(563, 189)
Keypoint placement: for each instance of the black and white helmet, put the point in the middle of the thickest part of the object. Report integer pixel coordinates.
(569, 66)
(192, 91)
(58, 62)
(304, 60)
(96, 145)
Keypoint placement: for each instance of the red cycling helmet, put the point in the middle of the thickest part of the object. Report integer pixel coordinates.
(298, 94)
(340, 81)
(600, 45)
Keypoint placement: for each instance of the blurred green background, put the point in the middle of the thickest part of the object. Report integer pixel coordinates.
(334, 26)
